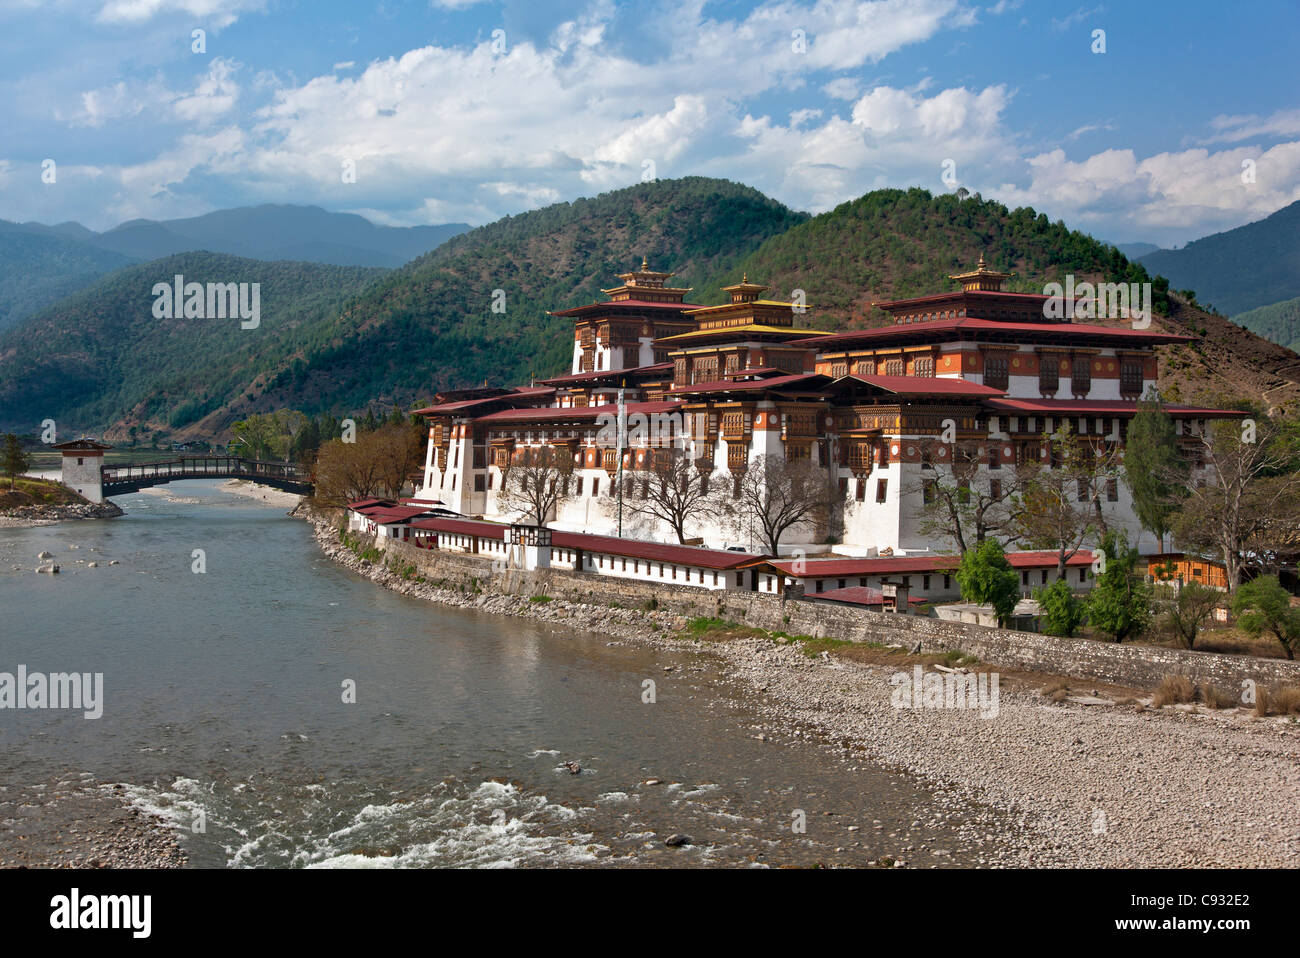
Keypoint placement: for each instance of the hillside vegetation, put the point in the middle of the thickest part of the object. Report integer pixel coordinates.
(891, 244)
(1253, 265)
(1279, 322)
(100, 362)
(334, 339)
(38, 269)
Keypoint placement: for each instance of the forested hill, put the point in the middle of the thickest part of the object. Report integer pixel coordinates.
(431, 324)
(891, 244)
(336, 339)
(100, 362)
(37, 269)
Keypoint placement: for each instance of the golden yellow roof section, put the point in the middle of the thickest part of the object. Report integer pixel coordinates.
(981, 279)
(758, 329)
(646, 283)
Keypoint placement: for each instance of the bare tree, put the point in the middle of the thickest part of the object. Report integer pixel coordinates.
(676, 491)
(1248, 502)
(776, 495)
(535, 483)
(963, 501)
(1057, 508)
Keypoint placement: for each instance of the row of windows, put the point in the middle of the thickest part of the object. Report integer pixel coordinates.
(860, 489)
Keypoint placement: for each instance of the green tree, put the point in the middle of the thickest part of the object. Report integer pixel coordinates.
(986, 578)
(1262, 605)
(1120, 602)
(1062, 609)
(1190, 608)
(1153, 466)
(14, 460)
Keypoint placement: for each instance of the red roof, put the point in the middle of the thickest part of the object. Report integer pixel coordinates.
(859, 595)
(891, 565)
(609, 545)
(971, 324)
(1084, 407)
(519, 393)
(635, 303)
(463, 527)
(927, 386)
(654, 551)
(576, 412)
(610, 373)
(774, 382)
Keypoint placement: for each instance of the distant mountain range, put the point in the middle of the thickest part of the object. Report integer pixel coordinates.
(1253, 265)
(339, 338)
(40, 264)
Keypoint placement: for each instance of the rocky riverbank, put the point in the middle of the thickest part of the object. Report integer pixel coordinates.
(43, 514)
(1089, 781)
(77, 824)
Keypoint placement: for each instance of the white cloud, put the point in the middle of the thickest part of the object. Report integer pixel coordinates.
(1169, 197)
(220, 13)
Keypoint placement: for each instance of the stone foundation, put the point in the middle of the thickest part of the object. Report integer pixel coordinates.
(1139, 666)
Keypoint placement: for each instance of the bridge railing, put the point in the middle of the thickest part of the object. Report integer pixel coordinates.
(202, 466)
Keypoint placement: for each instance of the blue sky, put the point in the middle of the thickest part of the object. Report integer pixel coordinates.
(468, 110)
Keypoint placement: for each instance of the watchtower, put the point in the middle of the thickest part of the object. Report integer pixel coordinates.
(83, 462)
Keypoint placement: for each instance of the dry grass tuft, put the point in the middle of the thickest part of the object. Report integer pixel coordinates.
(1174, 690)
(1214, 697)
(1280, 700)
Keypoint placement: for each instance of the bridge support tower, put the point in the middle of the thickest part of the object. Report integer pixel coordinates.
(83, 462)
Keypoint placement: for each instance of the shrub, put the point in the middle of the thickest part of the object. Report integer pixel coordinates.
(1062, 610)
(1262, 605)
(986, 578)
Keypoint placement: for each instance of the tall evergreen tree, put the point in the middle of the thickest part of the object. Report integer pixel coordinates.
(1153, 466)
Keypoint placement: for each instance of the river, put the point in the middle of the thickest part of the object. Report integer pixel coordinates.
(224, 706)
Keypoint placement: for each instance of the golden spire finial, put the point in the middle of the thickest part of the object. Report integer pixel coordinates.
(981, 264)
(745, 277)
(645, 264)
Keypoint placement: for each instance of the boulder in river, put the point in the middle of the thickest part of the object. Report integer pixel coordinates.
(47, 567)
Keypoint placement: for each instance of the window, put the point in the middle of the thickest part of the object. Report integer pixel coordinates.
(947, 581)
(1081, 375)
(840, 583)
(927, 491)
(1024, 578)
(1083, 575)
(595, 487)
(995, 488)
(1083, 489)
(923, 366)
(861, 490)
(1112, 490)
(925, 582)
(881, 489)
(1049, 375)
(893, 367)
(844, 487)
(995, 458)
(1130, 378)
(580, 485)
(995, 371)
(1044, 577)
(480, 484)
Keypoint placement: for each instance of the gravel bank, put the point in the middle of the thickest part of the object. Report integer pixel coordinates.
(76, 824)
(1098, 785)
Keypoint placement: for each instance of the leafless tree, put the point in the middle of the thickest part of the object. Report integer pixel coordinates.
(776, 495)
(1247, 501)
(1057, 508)
(963, 500)
(535, 483)
(676, 491)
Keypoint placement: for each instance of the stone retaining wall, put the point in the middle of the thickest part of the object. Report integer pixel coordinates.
(1140, 666)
